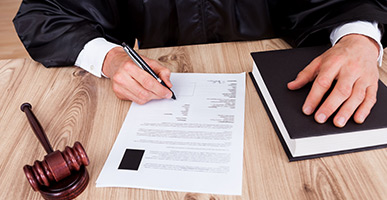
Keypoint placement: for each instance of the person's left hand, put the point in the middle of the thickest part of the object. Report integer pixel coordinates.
(353, 63)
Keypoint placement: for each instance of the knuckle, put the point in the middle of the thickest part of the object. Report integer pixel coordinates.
(118, 78)
(345, 90)
(143, 96)
(117, 92)
(371, 94)
(323, 82)
(329, 108)
(302, 74)
(318, 60)
(346, 112)
(371, 100)
(127, 67)
(148, 82)
(337, 58)
(361, 95)
(165, 71)
(115, 88)
(120, 97)
(140, 101)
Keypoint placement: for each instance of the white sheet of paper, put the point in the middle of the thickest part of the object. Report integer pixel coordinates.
(192, 144)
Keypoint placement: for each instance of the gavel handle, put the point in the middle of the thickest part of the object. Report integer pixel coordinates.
(36, 127)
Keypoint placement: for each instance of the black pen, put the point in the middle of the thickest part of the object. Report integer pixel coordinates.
(142, 64)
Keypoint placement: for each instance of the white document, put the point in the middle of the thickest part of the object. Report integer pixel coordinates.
(192, 144)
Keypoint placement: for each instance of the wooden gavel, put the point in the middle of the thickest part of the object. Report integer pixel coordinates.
(61, 175)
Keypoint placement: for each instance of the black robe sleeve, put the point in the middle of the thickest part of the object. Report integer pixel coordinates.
(310, 22)
(55, 31)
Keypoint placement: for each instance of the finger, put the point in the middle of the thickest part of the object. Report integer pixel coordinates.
(320, 86)
(124, 94)
(365, 108)
(165, 75)
(149, 83)
(305, 76)
(126, 88)
(163, 72)
(340, 93)
(350, 106)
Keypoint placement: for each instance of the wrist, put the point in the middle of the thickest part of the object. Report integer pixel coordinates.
(108, 63)
(363, 41)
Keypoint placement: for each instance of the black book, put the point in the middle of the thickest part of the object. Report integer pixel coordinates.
(302, 137)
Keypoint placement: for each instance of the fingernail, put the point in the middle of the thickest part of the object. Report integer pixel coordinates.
(361, 118)
(341, 121)
(308, 110)
(321, 118)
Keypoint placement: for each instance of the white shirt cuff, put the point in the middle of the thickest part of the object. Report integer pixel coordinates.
(359, 27)
(93, 54)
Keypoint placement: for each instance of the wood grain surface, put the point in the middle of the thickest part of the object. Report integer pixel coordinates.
(10, 45)
(72, 105)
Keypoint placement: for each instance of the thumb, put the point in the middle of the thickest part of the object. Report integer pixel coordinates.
(308, 74)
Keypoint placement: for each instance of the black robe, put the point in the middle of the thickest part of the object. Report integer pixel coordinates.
(55, 31)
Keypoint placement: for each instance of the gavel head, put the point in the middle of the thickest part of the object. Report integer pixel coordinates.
(56, 166)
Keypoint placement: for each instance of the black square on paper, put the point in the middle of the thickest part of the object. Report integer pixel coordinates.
(132, 159)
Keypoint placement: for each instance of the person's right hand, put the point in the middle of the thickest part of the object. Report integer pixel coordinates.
(130, 82)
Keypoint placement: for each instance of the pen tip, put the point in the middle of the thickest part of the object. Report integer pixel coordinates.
(173, 96)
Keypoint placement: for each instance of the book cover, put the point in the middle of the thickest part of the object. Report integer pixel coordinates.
(277, 68)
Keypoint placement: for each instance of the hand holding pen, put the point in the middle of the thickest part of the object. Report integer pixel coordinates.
(130, 82)
(143, 65)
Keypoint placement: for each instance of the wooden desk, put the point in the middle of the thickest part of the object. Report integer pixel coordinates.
(73, 105)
